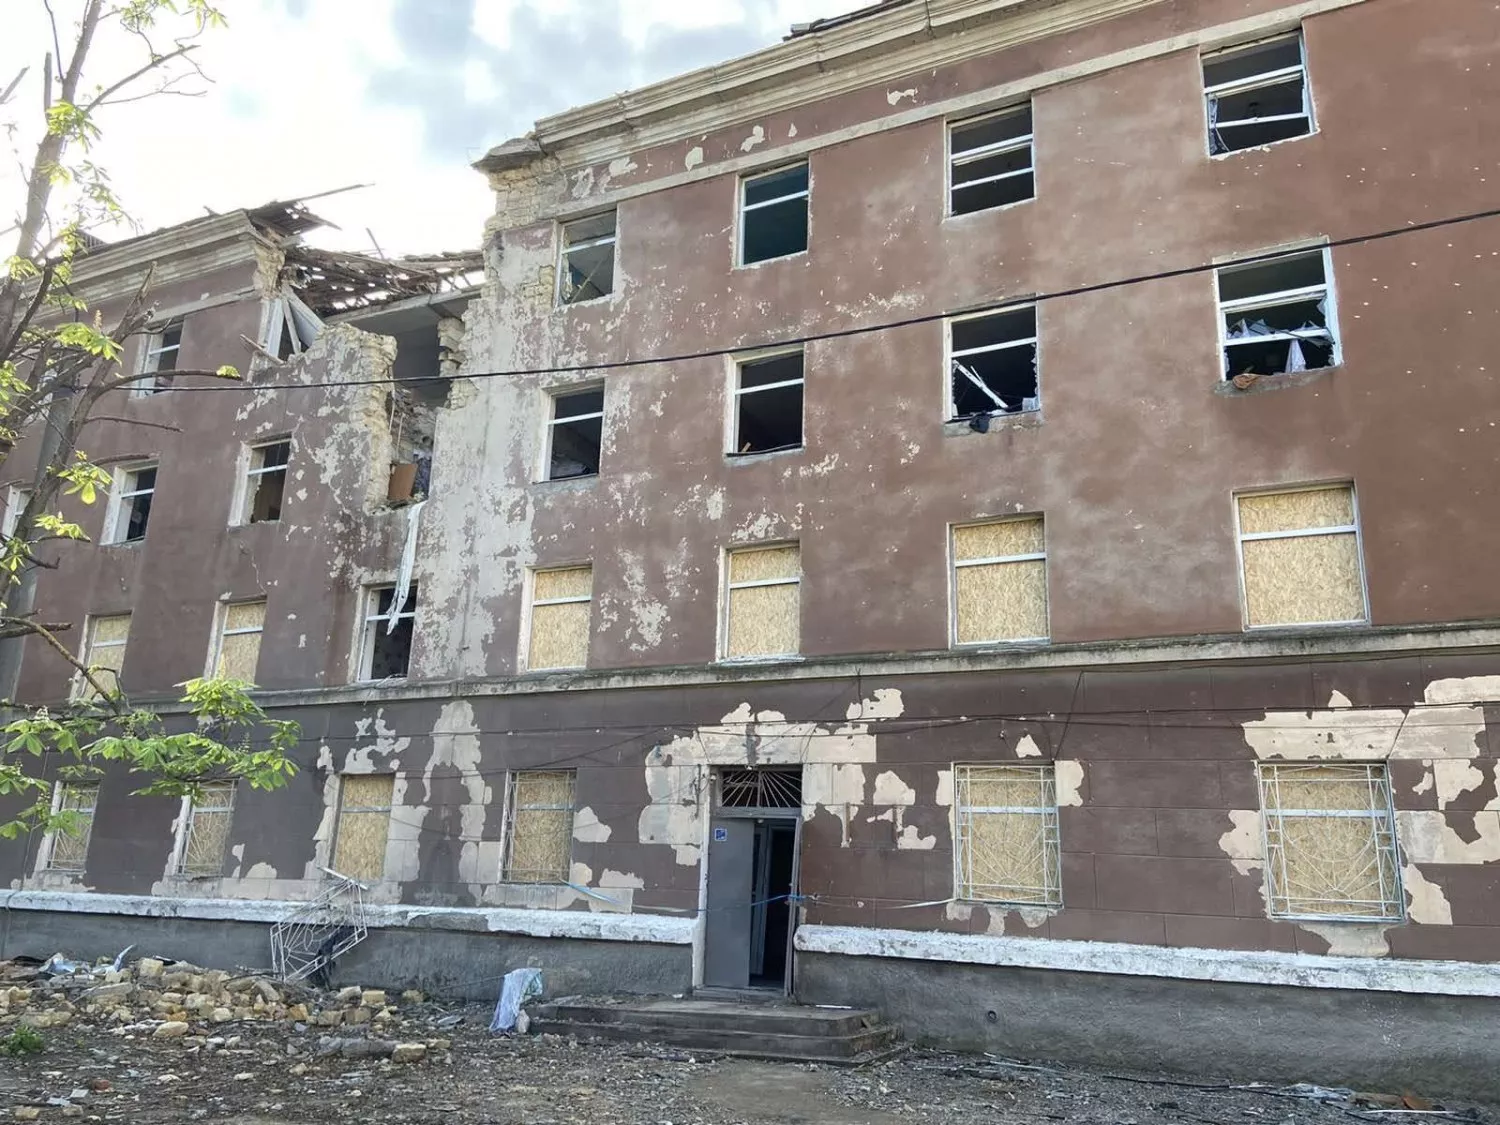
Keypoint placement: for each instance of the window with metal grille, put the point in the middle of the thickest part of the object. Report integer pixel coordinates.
(364, 825)
(539, 826)
(1257, 94)
(990, 162)
(1007, 842)
(1300, 559)
(1277, 317)
(1000, 582)
(207, 817)
(103, 653)
(1330, 841)
(588, 259)
(69, 847)
(760, 789)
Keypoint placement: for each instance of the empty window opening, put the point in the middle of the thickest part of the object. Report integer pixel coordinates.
(135, 488)
(1300, 557)
(1277, 317)
(206, 819)
(159, 353)
(1000, 582)
(768, 404)
(1007, 835)
(560, 604)
(1330, 841)
(994, 363)
(75, 801)
(575, 434)
(990, 162)
(763, 610)
(773, 789)
(1257, 94)
(773, 215)
(539, 826)
(588, 259)
(265, 481)
(387, 636)
(364, 825)
(103, 653)
(237, 648)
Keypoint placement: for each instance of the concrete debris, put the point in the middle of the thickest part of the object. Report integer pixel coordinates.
(409, 1052)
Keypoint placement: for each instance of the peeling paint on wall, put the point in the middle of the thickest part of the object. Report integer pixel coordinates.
(694, 158)
(893, 97)
(1244, 843)
(1068, 776)
(587, 828)
(1426, 902)
(1352, 939)
(757, 136)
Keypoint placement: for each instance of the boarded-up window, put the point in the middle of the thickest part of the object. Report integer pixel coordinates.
(364, 825)
(1299, 554)
(238, 649)
(1330, 844)
(539, 826)
(1000, 582)
(763, 615)
(103, 653)
(76, 801)
(560, 601)
(206, 832)
(1007, 843)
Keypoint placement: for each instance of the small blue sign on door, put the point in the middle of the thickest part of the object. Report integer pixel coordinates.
(720, 835)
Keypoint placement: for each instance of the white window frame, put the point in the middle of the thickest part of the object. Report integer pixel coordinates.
(1255, 82)
(16, 498)
(950, 406)
(186, 818)
(371, 619)
(955, 564)
(564, 249)
(44, 860)
(1383, 818)
(742, 208)
(250, 474)
(553, 394)
(512, 777)
(998, 148)
(730, 586)
(532, 602)
(81, 685)
(1241, 537)
(152, 349)
(1051, 890)
(222, 630)
(116, 511)
(1329, 332)
(737, 365)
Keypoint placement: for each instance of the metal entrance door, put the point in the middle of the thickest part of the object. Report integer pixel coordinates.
(731, 878)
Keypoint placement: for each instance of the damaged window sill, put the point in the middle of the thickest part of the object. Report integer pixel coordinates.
(1021, 420)
(1252, 383)
(566, 482)
(1263, 148)
(753, 661)
(762, 455)
(951, 217)
(1003, 646)
(604, 299)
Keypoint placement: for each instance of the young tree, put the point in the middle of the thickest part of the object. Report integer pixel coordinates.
(59, 360)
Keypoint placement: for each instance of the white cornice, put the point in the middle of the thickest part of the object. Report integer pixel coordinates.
(178, 253)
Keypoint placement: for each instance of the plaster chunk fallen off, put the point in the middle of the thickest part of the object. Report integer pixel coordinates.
(1068, 781)
(1352, 939)
(893, 97)
(1422, 732)
(757, 136)
(1427, 837)
(1244, 843)
(1027, 747)
(587, 828)
(1426, 902)
(694, 158)
(1453, 779)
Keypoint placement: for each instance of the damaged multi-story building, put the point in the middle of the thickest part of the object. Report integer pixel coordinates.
(980, 509)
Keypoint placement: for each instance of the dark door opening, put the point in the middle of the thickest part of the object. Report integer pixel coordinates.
(773, 873)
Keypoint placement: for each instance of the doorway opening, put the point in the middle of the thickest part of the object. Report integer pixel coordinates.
(771, 912)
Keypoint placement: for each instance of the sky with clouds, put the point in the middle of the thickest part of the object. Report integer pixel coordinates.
(312, 95)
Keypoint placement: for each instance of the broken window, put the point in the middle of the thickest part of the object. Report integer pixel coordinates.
(588, 259)
(237, 647)
(103, 653)
(761, 788)
(1277, 316)
(265, 481)
(1257, 94)
(768, 404)
(993, 361)
(364, 825)
(75, 801)
(763, 607)
(989, 162)
(387, 633)
(1007, 836)
(575, 434)
(560, 602)
(1330, 841)
(539, 826)
(773, 215)
(131, 510)
(206, 819)
(1300, 557)
(159, 352)
(16, 499)
(1000, 582)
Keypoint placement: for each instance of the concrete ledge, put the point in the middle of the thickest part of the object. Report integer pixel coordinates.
(1301, 970)
(654, 928)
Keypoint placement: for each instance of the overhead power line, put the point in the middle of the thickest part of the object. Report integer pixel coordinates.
(864, 329)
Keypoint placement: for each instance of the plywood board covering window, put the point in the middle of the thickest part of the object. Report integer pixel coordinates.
(1006, 835)
(364, 825)
(539, 826)
(1330, 843)
(560, 604)
(1300, 557)
(70, 845)
(104, 653)
(206, 842)
(763, 615)
(1000, 582)
(238, 649)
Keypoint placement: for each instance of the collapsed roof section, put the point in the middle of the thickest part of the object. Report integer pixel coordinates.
(336, 281)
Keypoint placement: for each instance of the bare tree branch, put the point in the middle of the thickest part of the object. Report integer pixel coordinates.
(5, 95)
(92, 418)
(102, 97)
(56, 42)
(39, 630)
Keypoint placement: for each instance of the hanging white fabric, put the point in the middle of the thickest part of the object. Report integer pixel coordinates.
(408, 563)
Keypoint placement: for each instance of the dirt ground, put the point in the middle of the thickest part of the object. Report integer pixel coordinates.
(272, 1073)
